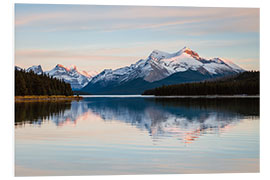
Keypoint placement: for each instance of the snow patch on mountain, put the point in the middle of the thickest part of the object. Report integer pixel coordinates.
(36, 69)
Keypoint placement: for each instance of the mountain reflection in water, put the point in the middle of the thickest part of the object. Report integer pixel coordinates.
(183, 118)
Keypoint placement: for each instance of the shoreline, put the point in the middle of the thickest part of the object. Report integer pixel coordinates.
(46, 98)
(56, 98)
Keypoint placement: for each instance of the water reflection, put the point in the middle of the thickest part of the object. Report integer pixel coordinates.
(40, 112)
(186, 118)
(36, 112)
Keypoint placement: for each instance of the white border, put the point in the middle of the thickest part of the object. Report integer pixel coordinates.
(7, 67)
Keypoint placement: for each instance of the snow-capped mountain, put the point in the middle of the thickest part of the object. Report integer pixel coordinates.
(77, 79)
(70, 75)
(161, 65)
(36, 69)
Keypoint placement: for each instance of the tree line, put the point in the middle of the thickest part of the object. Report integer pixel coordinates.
(29, 83)
(243, 83)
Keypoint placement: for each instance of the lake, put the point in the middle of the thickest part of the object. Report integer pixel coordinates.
(108, 135)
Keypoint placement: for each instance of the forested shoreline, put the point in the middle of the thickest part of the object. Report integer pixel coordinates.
(29, 83)
(246, 83)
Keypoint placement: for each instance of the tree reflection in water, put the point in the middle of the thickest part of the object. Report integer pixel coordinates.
(184, 118)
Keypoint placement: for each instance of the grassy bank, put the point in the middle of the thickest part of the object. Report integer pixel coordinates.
(46, 98)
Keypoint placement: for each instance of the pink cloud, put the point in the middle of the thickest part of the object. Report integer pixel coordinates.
(23, 20)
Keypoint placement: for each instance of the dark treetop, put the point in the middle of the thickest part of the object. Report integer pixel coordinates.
(29, 83)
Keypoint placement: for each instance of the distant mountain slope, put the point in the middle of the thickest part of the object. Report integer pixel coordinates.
(77, 79)
(36, 69)
(247, 83)
(70, 75)
(139, 85)
(160, 68)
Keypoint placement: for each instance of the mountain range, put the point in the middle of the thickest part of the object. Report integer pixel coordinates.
(77, 79)
(159, 68)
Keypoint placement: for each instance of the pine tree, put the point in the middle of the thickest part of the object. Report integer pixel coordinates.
(29, 83)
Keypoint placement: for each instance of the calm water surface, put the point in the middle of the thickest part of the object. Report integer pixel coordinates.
(137, 135)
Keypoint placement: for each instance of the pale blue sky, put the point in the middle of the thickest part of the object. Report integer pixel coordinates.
(99, 37)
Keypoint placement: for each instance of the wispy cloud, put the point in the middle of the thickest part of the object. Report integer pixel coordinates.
(121, 18)
(34, 18)
(84, 60)
(58, 54)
